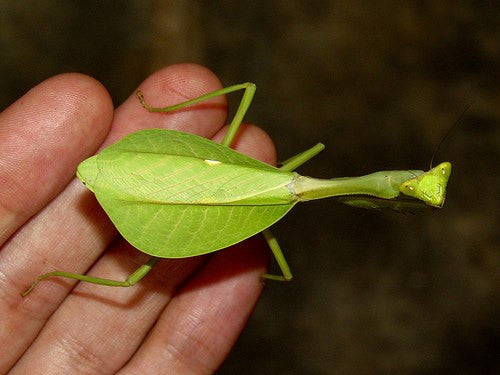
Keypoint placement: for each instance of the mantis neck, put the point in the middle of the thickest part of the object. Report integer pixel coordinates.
(383, 184)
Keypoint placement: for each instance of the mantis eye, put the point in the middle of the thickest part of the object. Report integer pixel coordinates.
(410, 188)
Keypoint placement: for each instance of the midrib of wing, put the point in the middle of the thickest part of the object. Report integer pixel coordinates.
(172, 179)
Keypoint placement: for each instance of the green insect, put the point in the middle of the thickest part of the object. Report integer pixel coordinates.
(175, 195)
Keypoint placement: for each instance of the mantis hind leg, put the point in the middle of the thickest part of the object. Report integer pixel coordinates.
(238, 117)
(132, 279)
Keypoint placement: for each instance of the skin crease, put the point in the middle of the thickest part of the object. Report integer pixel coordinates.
(185, 316)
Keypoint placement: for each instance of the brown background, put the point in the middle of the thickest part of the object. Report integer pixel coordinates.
(379, 83)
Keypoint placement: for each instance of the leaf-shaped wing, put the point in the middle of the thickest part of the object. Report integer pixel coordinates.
(173, 194)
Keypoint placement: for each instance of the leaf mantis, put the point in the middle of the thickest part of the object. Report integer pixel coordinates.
(176, 195)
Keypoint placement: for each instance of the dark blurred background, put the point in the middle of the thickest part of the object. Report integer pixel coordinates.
(379, 83)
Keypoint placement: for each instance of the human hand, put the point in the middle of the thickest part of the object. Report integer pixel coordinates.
(183, 317)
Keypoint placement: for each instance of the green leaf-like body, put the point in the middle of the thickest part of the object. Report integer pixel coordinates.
(174, 195)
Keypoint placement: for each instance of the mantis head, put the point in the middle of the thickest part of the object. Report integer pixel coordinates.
(430, 186)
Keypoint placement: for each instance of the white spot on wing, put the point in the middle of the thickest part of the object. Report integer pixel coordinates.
(212, 162)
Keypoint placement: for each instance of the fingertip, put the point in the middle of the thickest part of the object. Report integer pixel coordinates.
(81, 86)
(81, 109)
(89, 92)
(56, 98)
(172, 85)
(188, 80)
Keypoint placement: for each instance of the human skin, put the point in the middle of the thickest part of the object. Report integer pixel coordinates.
(185, 315)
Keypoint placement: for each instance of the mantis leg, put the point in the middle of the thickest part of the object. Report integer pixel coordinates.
(280, 258)
(132, 279)
(238, 117)
(296, 161)
(288, 165)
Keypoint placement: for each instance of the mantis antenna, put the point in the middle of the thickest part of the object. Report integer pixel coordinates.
(449, 131)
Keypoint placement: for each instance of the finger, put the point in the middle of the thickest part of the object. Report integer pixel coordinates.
(43, 138)
(204, 319)
(48, 294)
(45, 134)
